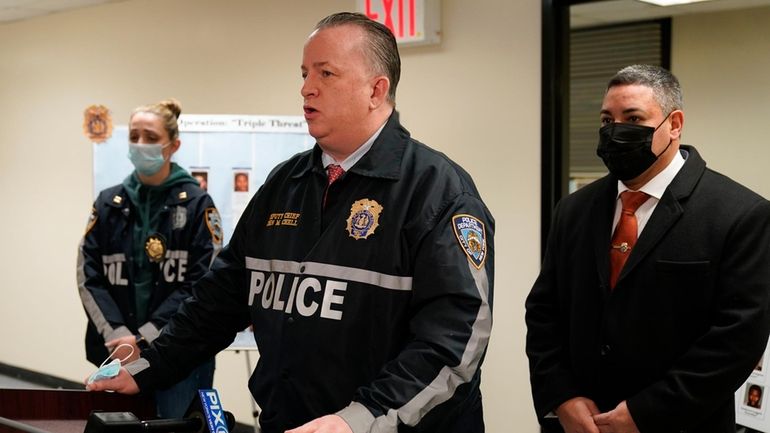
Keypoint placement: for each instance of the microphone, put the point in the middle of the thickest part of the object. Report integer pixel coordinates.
(204, 415)
(208, 408)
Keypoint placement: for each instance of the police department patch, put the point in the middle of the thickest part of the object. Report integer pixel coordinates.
(214, 223)
(97, 123)
(155, 247)
(91, 220)
(471, 234)
(364, 218)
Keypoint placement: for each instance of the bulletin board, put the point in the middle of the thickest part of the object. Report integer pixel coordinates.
(231, 155)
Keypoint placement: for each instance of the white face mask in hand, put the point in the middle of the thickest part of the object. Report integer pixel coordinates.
(110, 370)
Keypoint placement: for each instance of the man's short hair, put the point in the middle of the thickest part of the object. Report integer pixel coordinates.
(382, 47)
(665, 86)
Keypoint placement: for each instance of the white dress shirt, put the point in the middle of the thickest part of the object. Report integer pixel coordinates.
(654, 188)
(353, 158)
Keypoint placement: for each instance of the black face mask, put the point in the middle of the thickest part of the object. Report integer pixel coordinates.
(626, 149)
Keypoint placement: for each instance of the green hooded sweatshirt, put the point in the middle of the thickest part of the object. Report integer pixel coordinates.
(148, 201)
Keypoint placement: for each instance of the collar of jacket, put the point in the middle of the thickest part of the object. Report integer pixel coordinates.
(692, 170)
(683, 183)
(383, 160)
(177, 194)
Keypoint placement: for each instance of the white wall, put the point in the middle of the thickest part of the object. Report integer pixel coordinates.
(723, 63)
(476, 97)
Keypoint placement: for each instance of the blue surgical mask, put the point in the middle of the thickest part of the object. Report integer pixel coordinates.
(147, 158)
(109, 370)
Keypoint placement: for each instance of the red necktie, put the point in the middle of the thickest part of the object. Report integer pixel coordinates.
(626, 232)
(333, 172)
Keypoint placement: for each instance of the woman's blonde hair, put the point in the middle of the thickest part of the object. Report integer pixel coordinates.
(168, 110)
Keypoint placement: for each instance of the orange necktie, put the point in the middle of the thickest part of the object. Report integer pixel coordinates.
(333, 172)
(624, 238)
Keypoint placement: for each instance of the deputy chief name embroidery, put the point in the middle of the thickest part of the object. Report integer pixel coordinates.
(283, 219)
(308, 296)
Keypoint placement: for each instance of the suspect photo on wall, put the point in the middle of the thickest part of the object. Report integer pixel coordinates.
(203, 179)
(753, 399)
(241, 181)
(240, 192)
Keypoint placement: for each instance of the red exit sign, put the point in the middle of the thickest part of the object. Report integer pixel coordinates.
(413, 22)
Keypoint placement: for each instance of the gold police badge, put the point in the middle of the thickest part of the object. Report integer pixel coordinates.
(155, 247)
(364, 218)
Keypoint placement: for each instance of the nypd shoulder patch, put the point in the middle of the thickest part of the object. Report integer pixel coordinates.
(214, 224)
(472, 236)
(91, 220)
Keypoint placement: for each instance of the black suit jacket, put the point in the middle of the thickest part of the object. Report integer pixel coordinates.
(687, 320)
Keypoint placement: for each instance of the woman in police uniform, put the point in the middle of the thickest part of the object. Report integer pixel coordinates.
(147, 240)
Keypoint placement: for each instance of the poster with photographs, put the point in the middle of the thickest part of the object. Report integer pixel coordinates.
(750, 402)
(229, 155)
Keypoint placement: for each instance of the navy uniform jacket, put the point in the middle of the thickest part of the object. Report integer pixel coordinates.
(191, 228)
(687, 320)
(378, 308)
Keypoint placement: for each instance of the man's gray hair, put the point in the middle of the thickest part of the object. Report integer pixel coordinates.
(665, 86)
(382, 48)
